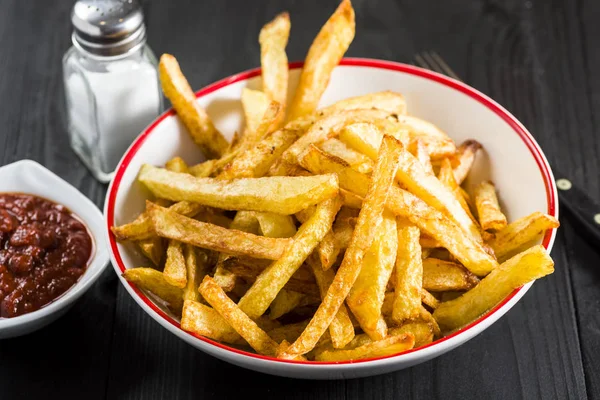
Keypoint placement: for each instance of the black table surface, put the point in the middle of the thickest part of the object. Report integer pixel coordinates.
(537, 58)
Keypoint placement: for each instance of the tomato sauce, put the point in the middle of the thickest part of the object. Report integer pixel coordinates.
(44, 250)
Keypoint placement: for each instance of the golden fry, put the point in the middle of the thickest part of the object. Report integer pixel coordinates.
(422, 154)
(409, 274)
(357, 160)
(381, 348)
(521, 234)
(324, 55)
(364, 233)
(341, 329)
(469, 252)
(282, 195)
(244, 326)
(153, 281)
(438, 144)
(367, 294)
(196, 263)
(464, 159)
(260, 295)
(177, 164)
(525, 267)
(175, 271)
(208, 236)
(276, 225)
(273, 39)
(284, 302)
(153, 248)
(491, 217)
(194, 117)
(441, 276)
(206, 321)
(446, 176)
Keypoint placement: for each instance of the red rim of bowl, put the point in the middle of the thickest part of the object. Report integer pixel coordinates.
(360, 62)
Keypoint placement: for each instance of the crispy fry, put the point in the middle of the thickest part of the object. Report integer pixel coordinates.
(522, 233)
(367, 294)
(324, 54)
(464, 159)
(365, 137)
(153, 248)
(419, 181)
(529, 265)
(350, 199)
(206, 321)
(196, 263)
(402, 203)
(422, 154)
(328, 126)
(141, 227)
(491, 217)
(357, 160)
(429, 300)
(328, 250)
(441, 276)
(208, 236)
(391, 102)
(446, 176)
(175, 271)
(203, 169)
(341, 328)
(289, 332)
(194, 117)
(276, 225)
(384, 347)
(273, 39)
(438, 144)
(258, 298)
(364, 233)
(282, 195)
(409, 274)
(176, 164)
(255, 104)
(244, 326)
(244, 221)
(257, 159)
(153, 281)
(284, 302)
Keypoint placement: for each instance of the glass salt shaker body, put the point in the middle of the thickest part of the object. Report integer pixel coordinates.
(111, 82)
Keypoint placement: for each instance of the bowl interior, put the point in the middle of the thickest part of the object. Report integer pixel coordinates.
(511, 159)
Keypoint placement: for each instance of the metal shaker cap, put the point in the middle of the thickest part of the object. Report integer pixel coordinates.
(108, 28)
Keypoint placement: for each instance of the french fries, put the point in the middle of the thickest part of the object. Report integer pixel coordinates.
(367, 294)
(519, 235)
(364, 233)
(525, 267)
(409, 274)
(464, 159)
(208, 236)
(468, 251)
(341, 329)
(194, 117)
(323, 56)
(244, 326)
(323, 237)
(153, 281)
(274, 194)
(273, 39)
(206, 321)
(389, 345)
(260, 295)
(488, 209)
(443, 276)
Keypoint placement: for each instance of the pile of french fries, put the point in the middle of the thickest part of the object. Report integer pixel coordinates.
(329, 234)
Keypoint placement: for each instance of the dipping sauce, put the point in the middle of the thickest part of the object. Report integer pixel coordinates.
(44, 250)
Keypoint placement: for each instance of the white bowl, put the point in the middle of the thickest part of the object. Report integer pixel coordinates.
(512, 159)
(29, 177)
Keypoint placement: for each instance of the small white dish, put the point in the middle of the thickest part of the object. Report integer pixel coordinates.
(511, 159)
(29, 177)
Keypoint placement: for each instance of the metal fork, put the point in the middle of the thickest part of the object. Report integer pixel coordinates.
(585, 210)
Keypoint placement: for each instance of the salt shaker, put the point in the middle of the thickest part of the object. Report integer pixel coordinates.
(111, 82)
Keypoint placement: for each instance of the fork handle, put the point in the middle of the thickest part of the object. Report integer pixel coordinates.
(580, 206)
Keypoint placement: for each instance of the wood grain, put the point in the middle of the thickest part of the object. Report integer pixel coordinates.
(537, 58)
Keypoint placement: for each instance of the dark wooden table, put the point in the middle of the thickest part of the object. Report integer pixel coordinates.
(539, 59)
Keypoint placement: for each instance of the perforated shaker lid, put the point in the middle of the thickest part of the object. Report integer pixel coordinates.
(108, 27)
